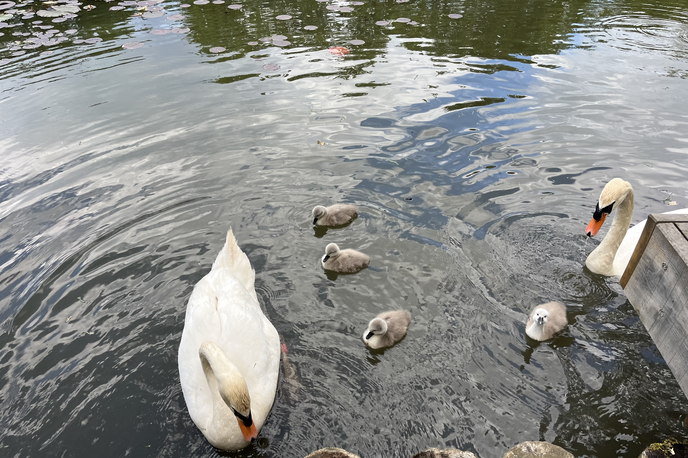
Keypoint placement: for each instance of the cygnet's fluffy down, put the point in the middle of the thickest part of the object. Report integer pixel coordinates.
(344, 261)
(334, 215)
(546, 320)
(387, 329)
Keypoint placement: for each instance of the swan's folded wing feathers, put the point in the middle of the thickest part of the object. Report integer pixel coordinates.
(232, 258)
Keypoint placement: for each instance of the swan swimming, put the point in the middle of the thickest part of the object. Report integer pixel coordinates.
(229, 353)
(613, 253)
(334, 215)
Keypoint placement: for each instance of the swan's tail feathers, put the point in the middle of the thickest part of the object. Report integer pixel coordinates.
(232, 258)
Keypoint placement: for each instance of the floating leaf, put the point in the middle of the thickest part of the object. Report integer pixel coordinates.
(339, 50)
(311, 27)
(455, 16)
(217, 49)
(132, 45)
(48, 13)
(357, 42)
(67, 8)
(283, 17)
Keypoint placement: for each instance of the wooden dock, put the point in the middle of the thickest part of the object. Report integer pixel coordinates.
(656, 283)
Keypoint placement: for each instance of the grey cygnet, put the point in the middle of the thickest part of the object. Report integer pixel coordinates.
(546, 320)
(344, 261)
(387, 329)
(334, 215)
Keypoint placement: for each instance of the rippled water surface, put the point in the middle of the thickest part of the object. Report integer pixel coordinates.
(133, 135)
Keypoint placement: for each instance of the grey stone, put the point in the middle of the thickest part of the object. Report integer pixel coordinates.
(447, 453)
(535, 449)
(331, 452)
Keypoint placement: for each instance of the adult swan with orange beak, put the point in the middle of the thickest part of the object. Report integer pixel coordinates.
(229, 353)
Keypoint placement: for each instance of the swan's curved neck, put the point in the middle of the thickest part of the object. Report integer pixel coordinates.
(227, 385)
(601, 260)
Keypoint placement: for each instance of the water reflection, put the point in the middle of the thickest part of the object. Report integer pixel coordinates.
(475, 147)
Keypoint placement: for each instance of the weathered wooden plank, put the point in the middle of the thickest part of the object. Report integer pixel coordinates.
(639, 249)
(683, 227)
(657, 286)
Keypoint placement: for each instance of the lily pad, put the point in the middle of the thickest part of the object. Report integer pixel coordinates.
(48, 13)
(67, 8)
(133, 45)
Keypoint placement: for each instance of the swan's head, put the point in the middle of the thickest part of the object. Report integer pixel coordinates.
(540, 316)
(318, 212)
(235, 395)
(377, 326)
(231, 386)
(331, 251)
(611, 197)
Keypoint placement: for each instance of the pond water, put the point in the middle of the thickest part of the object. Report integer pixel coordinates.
(475, 137)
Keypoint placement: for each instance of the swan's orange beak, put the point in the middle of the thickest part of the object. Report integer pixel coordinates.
(594, 226)
(249, 432)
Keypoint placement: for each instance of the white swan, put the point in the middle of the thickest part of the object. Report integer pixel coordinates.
(613, 253)
(229, 353)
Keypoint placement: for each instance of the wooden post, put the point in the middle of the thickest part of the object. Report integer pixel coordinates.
(656, 283)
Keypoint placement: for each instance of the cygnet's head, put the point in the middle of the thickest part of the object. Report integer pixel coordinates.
(377, 326)
(331, 251)
(318, 212)
(540, 316)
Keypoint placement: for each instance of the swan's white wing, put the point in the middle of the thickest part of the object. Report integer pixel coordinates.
(222, 310)
(232, 258)
(628, 244)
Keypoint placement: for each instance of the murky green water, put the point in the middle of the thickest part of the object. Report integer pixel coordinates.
(475, 147)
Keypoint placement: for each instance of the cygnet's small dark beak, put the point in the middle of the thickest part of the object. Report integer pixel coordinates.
(315, 221)
(327, 256)
(370, 334)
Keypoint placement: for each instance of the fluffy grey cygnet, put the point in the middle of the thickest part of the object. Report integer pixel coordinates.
(546, 320)
(334, 215)
(387, 329)
(344, 261)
